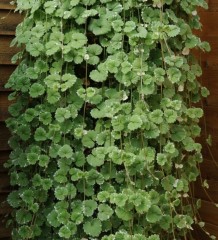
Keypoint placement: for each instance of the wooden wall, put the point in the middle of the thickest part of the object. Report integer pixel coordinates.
(208, 212)
(8, 23)
(209, 168)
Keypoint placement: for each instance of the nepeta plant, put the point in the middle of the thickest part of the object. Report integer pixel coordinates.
(104, 125)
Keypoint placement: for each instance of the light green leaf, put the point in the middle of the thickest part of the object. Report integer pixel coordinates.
(123, 214)
(78, 40)
(89, 207)
(129, 26)
(135, 122)
(65, 151)
(154, 214)
(61, 193)
(174, 74)
(104, 212)
(61, 114)
(36, 90)
(93, 227)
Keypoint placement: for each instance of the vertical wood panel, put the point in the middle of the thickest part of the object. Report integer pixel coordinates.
(209, 169)
(9, 21)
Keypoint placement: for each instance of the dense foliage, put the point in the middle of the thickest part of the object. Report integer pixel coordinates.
(104, 125)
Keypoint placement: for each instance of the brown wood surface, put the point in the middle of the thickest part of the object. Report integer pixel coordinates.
(9, 21)
(6, 52)
(5, 72)
(4, 104)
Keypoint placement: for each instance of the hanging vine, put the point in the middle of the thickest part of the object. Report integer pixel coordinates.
(104, 126)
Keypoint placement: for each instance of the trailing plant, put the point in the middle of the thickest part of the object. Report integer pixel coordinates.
(104, 125)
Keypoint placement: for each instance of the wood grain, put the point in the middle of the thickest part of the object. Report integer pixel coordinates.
(5, 72)
(6, 52)
(8, 21)
(4, 137)
(209, 213)
(4, 104)
(4, 156)
(207, 194)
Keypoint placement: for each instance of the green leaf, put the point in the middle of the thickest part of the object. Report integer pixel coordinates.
(123, 214)
(156, 116)
(14, 199)
(23, 216)
(30, 114)
(178, 133)
(148, 154)
(32, 158)
(170, 115)
(97, 157)
(104, 212)
(99, 26)
(205, 92)
(174, 74)
(53, 96)
(117, 25)
(144, 205)
(161, 159)
(64, 232)
(74, 3)
(50, 7)
(154, 214)
(135, 122)
(89, 207)
(69, 81)
(52, 219)
(154, 237)
(52, 47)
(98, 76)
(36, 90)
(88, 139)
(62, 114)
(93, 227)
(172, 30)
(129, 26)
(168, 183)
(40, 134)
(65, 151)
(169, 147)
(24, 132)
(25, 232)
(78, 40)
(61, 193)
(45, 118)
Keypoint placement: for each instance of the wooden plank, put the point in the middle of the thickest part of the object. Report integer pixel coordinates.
(4, 137)
(211, 117)
(212, 56)
(212, 229)
(209, 169)
(213, 5)
(5, 207)
(7, 6)
(206, 194)
(208, 27)
(5, 183)
(4, 104)
(5, 72)
(4, 156)
(9, 21)
(4, 232)
(6, 52)
(209, 212)
(199, 234)
(210, 80)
